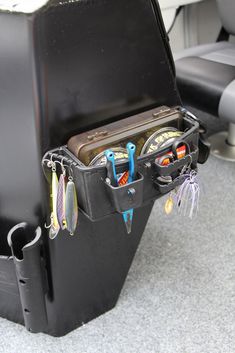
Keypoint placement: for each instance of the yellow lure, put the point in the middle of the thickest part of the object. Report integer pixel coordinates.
(169, 205)
(54, 191)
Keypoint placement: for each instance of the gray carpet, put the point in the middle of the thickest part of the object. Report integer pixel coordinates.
(179, 296)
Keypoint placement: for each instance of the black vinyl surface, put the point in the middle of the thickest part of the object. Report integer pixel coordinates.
(99, 62)
(201, 82)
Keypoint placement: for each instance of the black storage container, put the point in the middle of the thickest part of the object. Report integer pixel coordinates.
(67, 67)
(98, 199)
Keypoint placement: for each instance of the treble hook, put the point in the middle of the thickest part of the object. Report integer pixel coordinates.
(50, 225)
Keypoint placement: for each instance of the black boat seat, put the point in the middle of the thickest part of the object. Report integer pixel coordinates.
(206, 80)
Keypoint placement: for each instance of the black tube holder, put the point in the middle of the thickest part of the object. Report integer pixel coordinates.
(31, 275)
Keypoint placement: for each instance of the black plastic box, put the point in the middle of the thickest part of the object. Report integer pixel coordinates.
(97, 199)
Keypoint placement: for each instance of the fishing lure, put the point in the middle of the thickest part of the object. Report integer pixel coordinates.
(54, 226)
(187, 197)
(71, 206)
(60, 204)
(169, 205)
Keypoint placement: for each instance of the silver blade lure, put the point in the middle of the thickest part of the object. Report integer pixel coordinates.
(60, 204)
(71, 206)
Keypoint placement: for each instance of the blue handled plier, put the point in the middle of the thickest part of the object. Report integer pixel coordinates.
(112, 174)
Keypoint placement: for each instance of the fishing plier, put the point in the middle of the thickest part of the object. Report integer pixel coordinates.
(112, 175)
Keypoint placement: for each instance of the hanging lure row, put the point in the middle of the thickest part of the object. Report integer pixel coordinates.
(64, 206)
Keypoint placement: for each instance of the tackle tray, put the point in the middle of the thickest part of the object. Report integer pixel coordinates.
(97, 199)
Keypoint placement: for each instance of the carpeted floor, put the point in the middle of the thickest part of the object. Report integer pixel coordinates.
(179, 296)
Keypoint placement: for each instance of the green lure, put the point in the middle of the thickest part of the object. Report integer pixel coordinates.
(71, 207)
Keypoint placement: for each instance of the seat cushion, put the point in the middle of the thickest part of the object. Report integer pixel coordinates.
(204, 72)
(203, 49)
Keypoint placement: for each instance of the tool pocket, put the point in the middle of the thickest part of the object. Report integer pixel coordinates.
(175, 171)
(168, 177)
(127, 196)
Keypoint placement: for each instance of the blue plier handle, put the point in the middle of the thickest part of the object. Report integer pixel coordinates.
(128, 215)
(111, 169)
(131, 148)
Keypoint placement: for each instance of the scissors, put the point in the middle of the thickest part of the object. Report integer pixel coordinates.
(112, 175)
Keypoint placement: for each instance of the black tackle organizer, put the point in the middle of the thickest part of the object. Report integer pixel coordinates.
(67, 67)
(98, 199)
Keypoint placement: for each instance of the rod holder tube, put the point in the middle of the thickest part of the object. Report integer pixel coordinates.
(31, 275)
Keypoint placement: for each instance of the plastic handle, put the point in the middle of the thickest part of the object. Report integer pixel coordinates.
(131, 148)
(112, 175)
